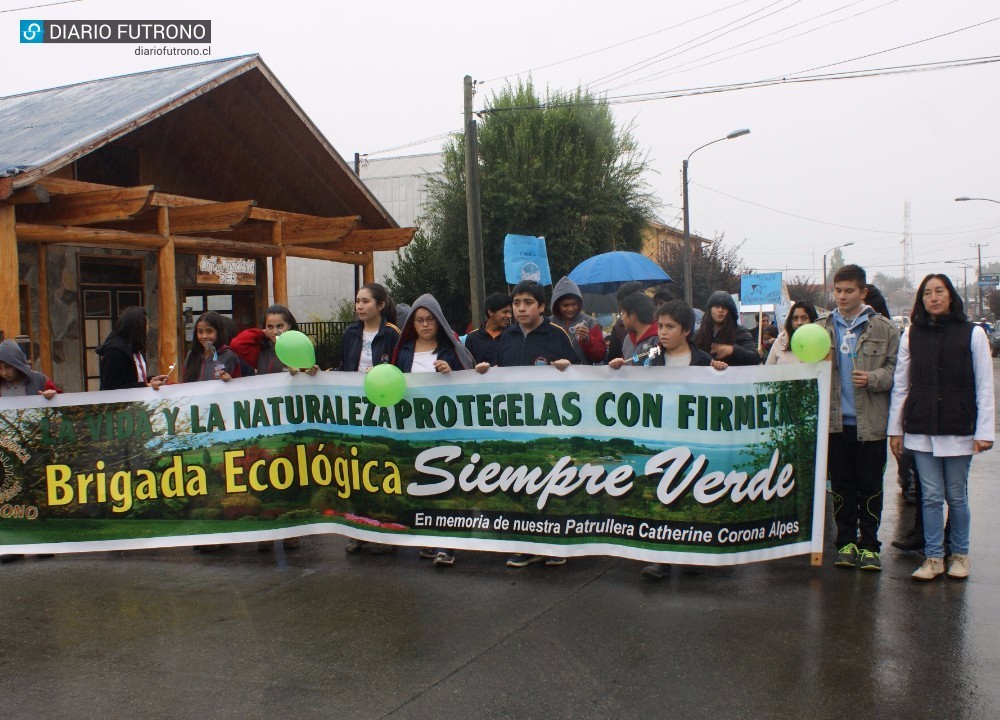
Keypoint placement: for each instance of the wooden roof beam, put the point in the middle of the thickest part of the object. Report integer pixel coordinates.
(88, 208)
(316, 230)
(98, 237)
(61, 186)
(312, 253)
(215, 246)
(370, 240)
(212, 217)
(30, 195)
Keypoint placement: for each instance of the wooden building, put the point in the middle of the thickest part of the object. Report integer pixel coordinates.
(182, 190)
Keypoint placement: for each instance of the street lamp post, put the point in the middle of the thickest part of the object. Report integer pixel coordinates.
(979, 251)
(826, 299)
(688, 289)
(965, 280)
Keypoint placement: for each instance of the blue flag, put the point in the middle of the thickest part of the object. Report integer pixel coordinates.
(525, 258)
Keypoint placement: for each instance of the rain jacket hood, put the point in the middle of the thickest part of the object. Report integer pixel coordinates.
(565, 288)
(408, 334)
(720, 298)
(12, 354)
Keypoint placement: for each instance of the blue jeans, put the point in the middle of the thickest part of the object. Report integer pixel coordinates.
(944, 479)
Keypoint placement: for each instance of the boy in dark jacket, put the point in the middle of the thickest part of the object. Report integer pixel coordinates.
(721, 334)
(532, 340)
(674, 323)
(484, 342)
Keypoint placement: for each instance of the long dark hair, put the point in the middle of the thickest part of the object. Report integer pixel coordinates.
(223, 335)
(284, 312)
(706, 334)
(920, 316)
(810, 311)
(381, 295)
(131, 327)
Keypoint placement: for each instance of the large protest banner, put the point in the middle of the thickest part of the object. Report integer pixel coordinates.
(679, 465)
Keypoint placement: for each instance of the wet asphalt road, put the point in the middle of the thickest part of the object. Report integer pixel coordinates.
(316, 634)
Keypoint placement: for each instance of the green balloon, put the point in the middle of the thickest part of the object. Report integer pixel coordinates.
(385, 385)
(295, 349)
(810, 343)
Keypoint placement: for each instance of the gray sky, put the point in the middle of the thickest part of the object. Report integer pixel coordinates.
(851, 152)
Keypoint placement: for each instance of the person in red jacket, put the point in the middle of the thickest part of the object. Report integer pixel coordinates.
(256, 346)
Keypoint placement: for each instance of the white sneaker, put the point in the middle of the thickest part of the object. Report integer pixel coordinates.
(958, 566)
(931, 568)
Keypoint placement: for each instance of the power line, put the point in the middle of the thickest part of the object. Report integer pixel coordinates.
(616, 45)
(35, 7)
(892, 49)
(838, 225)
(652, 60)
(714, 89)
(412, 144)
(669, 71)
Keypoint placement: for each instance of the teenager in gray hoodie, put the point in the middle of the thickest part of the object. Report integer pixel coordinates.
(585, 333)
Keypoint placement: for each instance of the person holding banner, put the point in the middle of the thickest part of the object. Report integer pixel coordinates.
(255, 346)
(801, 313)
(943, 411)
(584, 331)
(864, 360)
(484, 342)
(721, 335)
(210, 357)
(674, 324)
(371, 339)
(122, 356)
(638, 316)
(532, 340)
(428, 344)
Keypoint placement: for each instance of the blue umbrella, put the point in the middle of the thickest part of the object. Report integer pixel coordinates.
(603, 273)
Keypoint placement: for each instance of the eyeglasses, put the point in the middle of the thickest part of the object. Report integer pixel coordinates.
(429, 320)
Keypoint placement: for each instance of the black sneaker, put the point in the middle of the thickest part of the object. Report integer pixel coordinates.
(657, 571)
(524, 560)
(910, 541)
(555, 561)
(428, 553)
(847, 556)
(870, 560)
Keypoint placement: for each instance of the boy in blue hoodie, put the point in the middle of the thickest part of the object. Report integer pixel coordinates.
(864, 360)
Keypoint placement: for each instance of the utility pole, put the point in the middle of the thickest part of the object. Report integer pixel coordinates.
(979, 277)
(477, 282)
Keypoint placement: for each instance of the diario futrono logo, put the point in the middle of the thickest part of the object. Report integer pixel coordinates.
(32, 31)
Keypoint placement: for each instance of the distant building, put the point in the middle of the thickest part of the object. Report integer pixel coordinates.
(660, 242)
(400, 184)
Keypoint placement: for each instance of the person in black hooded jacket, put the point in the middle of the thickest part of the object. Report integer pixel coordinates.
(722, 336)
(123, 354)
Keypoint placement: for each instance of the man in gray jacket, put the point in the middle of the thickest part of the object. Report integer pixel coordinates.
(864, 360)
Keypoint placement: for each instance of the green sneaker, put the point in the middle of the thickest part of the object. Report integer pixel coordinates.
(847, 556)
(870, 560)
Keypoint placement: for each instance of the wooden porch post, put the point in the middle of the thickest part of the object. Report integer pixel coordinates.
(166, 265)
(10, 315)
(44, 323)
(279, 264)
(368, 268)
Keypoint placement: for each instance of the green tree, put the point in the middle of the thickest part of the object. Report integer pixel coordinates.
(564, 171)
(716, 267)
